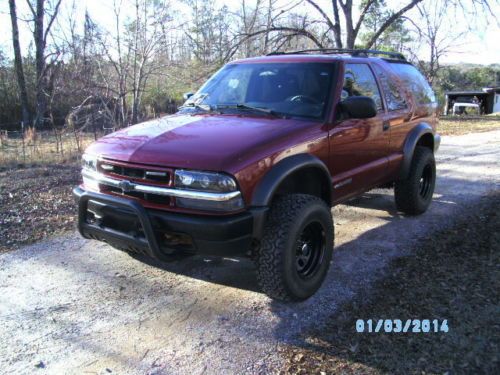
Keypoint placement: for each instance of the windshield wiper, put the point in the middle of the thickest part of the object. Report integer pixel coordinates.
(267, 111)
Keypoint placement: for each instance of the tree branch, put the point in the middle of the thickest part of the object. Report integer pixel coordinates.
(390, 21)
(51, 21)
(362, 16)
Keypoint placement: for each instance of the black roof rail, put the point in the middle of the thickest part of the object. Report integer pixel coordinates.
(340, 51)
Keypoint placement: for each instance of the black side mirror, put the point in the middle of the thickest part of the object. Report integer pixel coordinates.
(358, 107)
(187, 95)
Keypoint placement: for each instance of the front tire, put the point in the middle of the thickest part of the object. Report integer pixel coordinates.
(296, 248)
(414, 194)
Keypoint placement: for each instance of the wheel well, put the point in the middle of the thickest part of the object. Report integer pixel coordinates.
(312, 181)
(427, 140)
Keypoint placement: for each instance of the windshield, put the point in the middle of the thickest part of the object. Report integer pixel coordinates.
(288, 89)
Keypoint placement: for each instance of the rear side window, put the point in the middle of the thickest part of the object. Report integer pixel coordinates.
(393, 97)
(360, 81)
(416, 83)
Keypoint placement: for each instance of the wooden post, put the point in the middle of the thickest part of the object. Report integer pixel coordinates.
(22, 137)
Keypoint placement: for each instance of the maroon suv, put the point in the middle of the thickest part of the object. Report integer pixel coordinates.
(253, 162)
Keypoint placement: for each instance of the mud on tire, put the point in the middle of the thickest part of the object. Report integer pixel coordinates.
(296, 248)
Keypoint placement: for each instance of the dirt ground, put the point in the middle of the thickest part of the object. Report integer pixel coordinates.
(69, 305)
(453, 275)
(36, 203)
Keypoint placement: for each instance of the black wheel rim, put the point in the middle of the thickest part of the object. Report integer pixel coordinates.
(425, 182)
(310, 250)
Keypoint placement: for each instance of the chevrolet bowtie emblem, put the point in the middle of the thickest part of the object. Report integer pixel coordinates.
(126, 186)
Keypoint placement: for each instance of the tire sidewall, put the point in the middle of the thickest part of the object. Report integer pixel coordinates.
(296, 286)
(426, 159)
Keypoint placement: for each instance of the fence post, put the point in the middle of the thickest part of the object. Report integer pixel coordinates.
(22, 137)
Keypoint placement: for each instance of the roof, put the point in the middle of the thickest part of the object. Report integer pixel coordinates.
(298, 58)
(328, 55)
(484, 91)
(466, 93)
(466, 105)
(492, 89)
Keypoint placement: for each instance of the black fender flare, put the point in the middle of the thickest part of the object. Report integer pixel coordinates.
(271, 181)
(409, 146)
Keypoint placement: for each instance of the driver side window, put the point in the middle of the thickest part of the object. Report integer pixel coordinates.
(360, 81)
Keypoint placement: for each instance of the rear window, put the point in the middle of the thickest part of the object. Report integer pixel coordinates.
(416, 82)
(393, 97)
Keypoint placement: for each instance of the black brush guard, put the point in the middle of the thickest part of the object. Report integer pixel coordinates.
(211, 235)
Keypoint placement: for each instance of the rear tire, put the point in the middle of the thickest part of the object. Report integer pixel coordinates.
(296, 248)
(414, 194)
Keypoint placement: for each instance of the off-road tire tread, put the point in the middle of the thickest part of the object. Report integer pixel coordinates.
(404, 190)
(282, 215)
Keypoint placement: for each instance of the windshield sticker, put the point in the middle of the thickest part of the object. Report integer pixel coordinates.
(233, 83)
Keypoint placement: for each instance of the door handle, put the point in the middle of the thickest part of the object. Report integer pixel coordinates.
(386, 125)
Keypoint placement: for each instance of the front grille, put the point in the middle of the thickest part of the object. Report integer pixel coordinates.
(129, 172)
(148, 175)
(153, 198)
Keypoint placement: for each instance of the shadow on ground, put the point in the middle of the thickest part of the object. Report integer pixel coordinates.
(233, 272)
(240, 272)
(455, 276)
(321, 327)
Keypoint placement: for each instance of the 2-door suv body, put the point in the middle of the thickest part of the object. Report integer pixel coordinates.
(253, 162)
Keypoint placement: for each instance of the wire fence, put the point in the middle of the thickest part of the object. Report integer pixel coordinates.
(29, 146)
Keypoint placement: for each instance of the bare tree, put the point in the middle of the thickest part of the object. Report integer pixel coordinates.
(18, 61)
(438, 35)
(40, 34)
(435, 35)
(390, 20)
(353, 27)
(268, 29)
(152, 54)
(146, 41)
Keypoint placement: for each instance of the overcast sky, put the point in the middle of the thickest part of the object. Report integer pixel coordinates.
(481, 46)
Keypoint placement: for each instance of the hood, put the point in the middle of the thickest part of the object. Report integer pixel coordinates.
(205, 142)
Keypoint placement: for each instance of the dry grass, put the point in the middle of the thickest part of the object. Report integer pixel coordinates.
(459, 126)
(454, 275)
(40, 148)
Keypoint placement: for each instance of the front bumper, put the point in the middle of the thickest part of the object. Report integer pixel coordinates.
(127, 225)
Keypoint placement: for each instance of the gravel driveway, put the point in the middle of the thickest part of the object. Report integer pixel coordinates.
(69, 305)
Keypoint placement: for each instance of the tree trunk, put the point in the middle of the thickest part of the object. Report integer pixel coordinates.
(40, 64)
(349, 25)
(337, 32)
(21, 82)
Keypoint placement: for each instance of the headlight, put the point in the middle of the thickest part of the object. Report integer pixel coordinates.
(205, 181)
(89, 162)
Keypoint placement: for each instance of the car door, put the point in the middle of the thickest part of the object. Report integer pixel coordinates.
(358, 147)
(397, 116)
